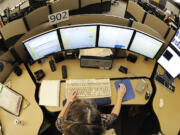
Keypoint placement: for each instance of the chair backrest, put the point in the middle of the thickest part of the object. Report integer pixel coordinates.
(19, 48)
(135, 10)
(147, 29)
(85, 3)
(37, 17)
(64, 5)
(13, 28)
(7, 56)
(156, 24)
(95, 18)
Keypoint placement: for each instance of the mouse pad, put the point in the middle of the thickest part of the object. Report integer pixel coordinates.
(129, 90)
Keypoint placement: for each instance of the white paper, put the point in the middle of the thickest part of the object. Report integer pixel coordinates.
(101, 52)
(49, 92)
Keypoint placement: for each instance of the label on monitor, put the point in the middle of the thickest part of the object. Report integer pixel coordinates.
(58, 17)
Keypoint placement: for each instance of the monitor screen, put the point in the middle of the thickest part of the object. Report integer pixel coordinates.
(176, 40)
(114, 37)
(170, 61)
(43, 45)
(79, 37)
(145, 45)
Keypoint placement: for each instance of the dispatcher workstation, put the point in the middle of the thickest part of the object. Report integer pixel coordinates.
(68, 42)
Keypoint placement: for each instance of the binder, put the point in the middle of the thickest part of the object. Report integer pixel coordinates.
(10, 100)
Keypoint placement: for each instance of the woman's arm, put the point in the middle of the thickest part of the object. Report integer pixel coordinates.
(121, 91)
(71, 98)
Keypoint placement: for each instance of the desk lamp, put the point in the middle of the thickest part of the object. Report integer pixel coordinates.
(16, 69)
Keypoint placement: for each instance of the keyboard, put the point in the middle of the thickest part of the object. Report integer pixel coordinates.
(164, 81)
(89, 88)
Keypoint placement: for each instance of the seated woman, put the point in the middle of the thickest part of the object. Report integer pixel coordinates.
(81, 117)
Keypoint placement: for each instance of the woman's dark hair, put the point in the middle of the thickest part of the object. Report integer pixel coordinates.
(83, 119)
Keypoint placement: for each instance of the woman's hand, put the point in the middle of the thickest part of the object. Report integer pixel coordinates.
(121, 90)
(72, 96)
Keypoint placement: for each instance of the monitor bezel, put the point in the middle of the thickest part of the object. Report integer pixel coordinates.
(150, 37)
(172, 39)
(40, 34)
(79, 25)
(117, 26)
(161, 64)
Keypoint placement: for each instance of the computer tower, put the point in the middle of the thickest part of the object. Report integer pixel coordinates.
(96, 62)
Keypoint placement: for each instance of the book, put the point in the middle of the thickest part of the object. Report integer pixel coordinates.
(49, 93)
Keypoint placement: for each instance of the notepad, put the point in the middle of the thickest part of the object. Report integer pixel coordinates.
(10, 100)
(49, 93)
(129, 90)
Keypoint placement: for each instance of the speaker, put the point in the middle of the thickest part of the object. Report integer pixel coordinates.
(17, 70)
(132, 58)
(96, 62)
(58, 57)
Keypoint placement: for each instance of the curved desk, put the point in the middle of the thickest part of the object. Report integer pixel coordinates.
(139, 69)
(31, 115)
(169, 114)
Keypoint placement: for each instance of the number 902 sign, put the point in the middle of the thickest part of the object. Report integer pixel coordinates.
(58, 17)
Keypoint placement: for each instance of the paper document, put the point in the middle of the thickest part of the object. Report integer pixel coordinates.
(49, 92)
(101, 52)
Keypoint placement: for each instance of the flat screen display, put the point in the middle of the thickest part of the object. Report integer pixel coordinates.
(43, 45)
(114, 37)
(79, 37)
(170, 61)
(145, 45)
(176, 40)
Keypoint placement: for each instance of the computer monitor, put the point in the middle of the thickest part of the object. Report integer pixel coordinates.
(114, 37)
(43, 45)
(170, 61)
(176, 40)
(145, 45)
(78, 37)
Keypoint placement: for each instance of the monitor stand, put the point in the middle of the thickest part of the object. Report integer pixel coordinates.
(119, 53)
(146, 58)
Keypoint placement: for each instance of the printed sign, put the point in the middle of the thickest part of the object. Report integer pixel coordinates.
(58, 17)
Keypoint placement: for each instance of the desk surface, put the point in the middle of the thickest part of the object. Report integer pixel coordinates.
(32, 116)
(139, 97)
(169, 114)
(140, 68)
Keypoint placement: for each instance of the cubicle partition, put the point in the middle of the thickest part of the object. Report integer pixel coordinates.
(65, 5)
(95, 18)
(7, 56)
(135, 11)
(37, 17)
(156, 24)
(13, 28)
